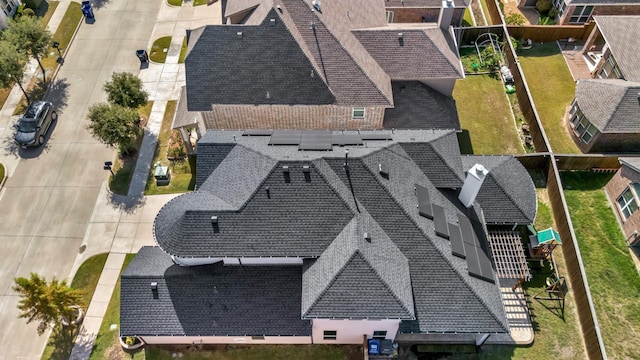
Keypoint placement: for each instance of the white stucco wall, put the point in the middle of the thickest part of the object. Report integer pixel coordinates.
(225, 340)
(443, 86)
(351, 331)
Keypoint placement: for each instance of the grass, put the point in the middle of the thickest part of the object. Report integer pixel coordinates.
(124, 166)
(175, 2)
(467, 19)
(157, 49)
(107, 345)
(183, 51)
(63, 35)
(199, 2)
(552, 89)
(613, 278)
(485, 114)
(86, 278)
(264, 352)
(1, 172)
(182, 171)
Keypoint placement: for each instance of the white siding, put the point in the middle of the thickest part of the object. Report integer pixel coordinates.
(351, 331)
(443, 86)
(225, 340)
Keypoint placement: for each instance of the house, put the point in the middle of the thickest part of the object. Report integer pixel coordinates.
(623, 191)
(574, 12)
(416, 11)
(291, 64)
(603, 116)
(328, 237)
(8, 8)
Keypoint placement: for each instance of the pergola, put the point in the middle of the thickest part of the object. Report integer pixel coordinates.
(508, 255)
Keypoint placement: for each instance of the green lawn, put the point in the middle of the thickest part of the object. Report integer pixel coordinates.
(107, 345)
(1, 172)
(552, 89)
(158, 53)
(265, 352)
(63, 35)
(467, 20)
(182, 171)
(612, 276)
(175, 2)
(485, 116)
(124, 166)
(86, 278)
(183, 51)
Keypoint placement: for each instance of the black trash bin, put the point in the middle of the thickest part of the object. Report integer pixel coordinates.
(142, 55)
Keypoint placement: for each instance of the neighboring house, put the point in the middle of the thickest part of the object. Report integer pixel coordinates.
(624, 190)
(604, 113)
(291, 239)
(573, 12)
(8, 8)
(415, 11)
(290, 64)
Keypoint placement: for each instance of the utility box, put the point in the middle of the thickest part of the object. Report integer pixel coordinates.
(162, 175)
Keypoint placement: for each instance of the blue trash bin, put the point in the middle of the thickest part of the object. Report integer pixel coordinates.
(374, 346)
(87, 10)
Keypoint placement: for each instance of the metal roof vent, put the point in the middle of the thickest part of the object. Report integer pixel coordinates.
(268, 95)
(272, 21)
(285, 169)
(268, 192)
(307, 173)
(214, 219)
(286, 174)
(279, 8)
(306, 168)
(316, 5)
(239, 34)
(383, 170)
(367, 236)
(154, 286)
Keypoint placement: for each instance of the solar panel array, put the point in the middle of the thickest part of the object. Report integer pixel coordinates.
(478, 263)
(317, 140)
(424, 202)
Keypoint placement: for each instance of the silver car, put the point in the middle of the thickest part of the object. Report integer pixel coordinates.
(34, 124)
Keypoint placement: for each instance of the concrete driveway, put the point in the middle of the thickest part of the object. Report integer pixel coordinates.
(47, 202)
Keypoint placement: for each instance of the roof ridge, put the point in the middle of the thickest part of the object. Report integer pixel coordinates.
(427, 35)
(455, 271)
(357, 250)
(620, 100)
(515, 203)
(326, 180)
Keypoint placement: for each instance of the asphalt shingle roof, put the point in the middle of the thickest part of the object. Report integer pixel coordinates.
(405, 272)
(632, 162)
(507, 194)
(235, 6)
(209, 300)
(419, 54)
(261, 66)
(622, 33)
(611, 105)
(417, 106)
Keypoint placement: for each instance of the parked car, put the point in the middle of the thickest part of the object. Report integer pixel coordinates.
(34, 124)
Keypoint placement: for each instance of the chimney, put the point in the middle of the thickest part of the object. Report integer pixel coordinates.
(446, 14)
(472, 184)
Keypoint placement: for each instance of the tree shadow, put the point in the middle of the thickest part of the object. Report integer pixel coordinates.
(464, 141)
(62, 341)
(42, 10)
(99, 4)
(58, 93)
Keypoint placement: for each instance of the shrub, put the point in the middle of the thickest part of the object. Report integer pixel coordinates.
(543, 6)
(176, 148)
(28, 12)
(553, 13)
(515, 19)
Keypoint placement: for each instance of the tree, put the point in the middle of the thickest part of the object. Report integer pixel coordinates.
(29, 35)
(125, 89)
(543, 6)
(11, 67)
(515, 19)
(114, 125)
(45, 302)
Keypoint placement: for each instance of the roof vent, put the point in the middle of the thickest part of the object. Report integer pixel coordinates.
(287, 175)
(367, 236)
(268, 95)
(272, 21)
(279, 8)
(316, 5)
(307, 173)
(400, 35)
(268, 192)
(214, 219)
(384, 172)
(154, 286)
(312, 74)
(285, 169)
(306, 168)
(401, 39)
(239, 34)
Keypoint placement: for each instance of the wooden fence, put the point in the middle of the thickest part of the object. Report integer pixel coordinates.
(545, 33)
(494, 13)
(575, 268)
(587, 162)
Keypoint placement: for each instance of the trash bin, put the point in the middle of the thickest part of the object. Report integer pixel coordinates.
(374, 346)
(142, 55)
(162, 175)
(87, 10)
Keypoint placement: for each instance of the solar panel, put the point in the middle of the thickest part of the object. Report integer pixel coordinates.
(457, 245)
(346, 139)
(375, 136)
(440, 221)
(285, 138)
(468, 235)
(315, 140)
(478, 264)
(424, 202)
(314, 145)
(257, 133)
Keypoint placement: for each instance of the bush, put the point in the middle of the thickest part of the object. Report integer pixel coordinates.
(553, 13)
(28, 12)
(543, 6)
(515, 19)
(176, 148)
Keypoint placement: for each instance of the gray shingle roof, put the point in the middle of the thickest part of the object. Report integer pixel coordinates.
(338, 284)
(209, 300)
(622, 33)
(611, 105)
(417, 106)
(632, 162)
(420, 54)
(261, 66)
(507, 194)
(183, 117)
(319, 220)
(235, 6)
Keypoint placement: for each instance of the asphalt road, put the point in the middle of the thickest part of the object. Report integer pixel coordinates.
(46, 204)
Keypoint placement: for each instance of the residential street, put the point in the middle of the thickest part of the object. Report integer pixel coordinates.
(47, 203)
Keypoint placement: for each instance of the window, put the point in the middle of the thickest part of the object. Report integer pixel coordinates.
(627, 202)
(357, 113)
(330, 335)
(577, 116)
(588, 134)
(610, 69)
(581, 125)
(389, 16)
(560, 5)
(380, 334)
(581, 14)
